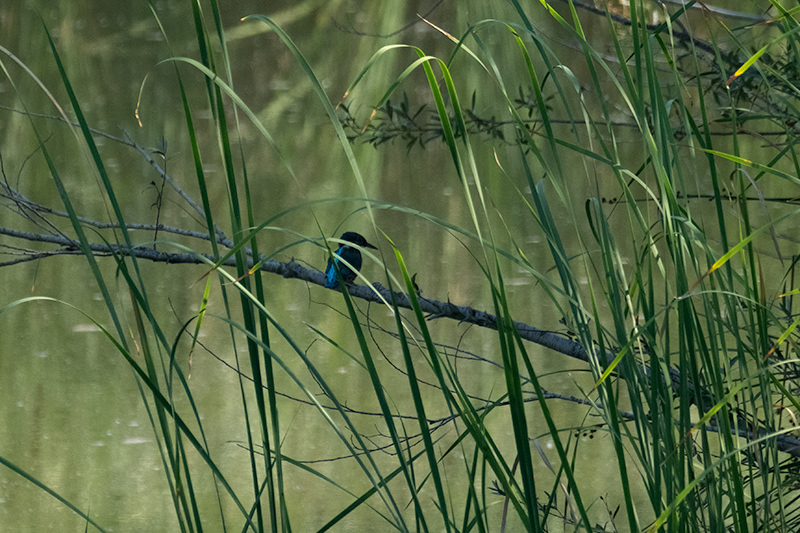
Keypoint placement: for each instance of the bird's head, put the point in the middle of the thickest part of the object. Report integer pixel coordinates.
(357, 238)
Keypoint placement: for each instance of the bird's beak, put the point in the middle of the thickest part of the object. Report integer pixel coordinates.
(368, 245)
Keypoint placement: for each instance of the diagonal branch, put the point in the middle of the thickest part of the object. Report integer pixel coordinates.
(375, 293)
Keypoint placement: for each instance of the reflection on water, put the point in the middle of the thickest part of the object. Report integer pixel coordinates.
(71, 410)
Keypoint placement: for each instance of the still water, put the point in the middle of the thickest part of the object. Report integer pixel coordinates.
(71, 414)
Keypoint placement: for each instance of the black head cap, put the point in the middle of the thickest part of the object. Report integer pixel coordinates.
(357, 238)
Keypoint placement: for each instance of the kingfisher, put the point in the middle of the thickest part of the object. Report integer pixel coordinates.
(349, 254)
